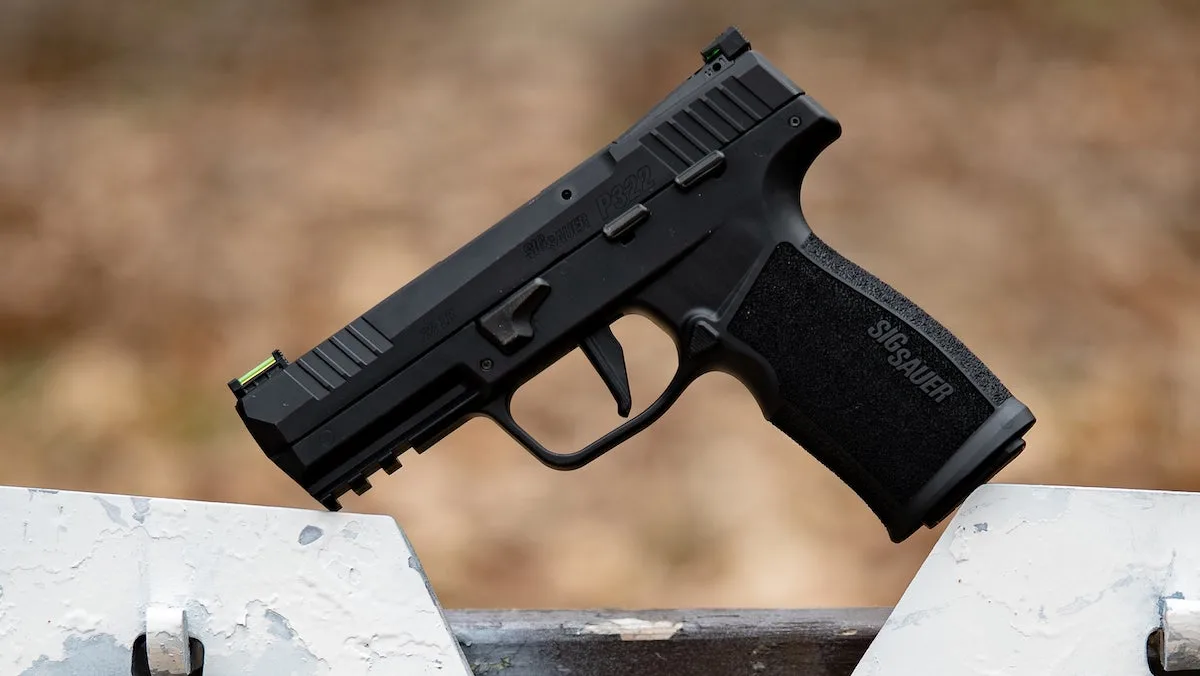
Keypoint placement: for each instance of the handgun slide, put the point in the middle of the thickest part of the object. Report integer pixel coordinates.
(692, 218)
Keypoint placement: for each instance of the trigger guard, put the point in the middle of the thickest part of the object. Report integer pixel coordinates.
(500, 412)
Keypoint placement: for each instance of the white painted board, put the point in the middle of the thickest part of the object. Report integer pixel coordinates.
(1031, 580)
(268, 590)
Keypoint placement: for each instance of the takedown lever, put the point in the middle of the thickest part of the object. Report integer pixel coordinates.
(604, 351)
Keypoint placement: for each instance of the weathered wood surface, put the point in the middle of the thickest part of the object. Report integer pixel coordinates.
(666, 642)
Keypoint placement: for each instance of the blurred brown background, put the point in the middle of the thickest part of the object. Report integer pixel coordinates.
(186, 185)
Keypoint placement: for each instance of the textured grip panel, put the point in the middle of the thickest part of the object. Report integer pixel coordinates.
(862, 387)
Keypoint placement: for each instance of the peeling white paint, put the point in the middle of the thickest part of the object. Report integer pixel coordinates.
(267, 590)
(1044, 580)
(634, 629)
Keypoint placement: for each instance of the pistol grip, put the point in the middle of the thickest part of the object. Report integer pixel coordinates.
(874, 388)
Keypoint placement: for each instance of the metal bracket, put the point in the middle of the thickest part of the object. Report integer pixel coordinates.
(1180, 641)
(168, 648)
(1031, 580)
(230, 589)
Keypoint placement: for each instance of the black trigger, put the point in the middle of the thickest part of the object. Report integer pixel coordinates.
(604, 351)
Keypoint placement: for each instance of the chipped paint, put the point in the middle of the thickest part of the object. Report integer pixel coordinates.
(1062, 580)
(634, 629)
(310, 534)
(141, 506)
(113, 512)
(78, 571)
(84, 656)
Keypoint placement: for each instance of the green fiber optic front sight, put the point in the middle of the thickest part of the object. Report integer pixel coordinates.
(730, 44)
(238, 385)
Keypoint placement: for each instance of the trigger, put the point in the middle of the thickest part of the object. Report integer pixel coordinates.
(604, 351)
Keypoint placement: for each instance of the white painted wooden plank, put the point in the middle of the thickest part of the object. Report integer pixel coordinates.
(267, 590)
(1031, 580)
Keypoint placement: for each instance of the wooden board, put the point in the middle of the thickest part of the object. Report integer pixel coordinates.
(666, 642)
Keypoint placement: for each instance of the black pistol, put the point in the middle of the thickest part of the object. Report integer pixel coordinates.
(692, 218)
